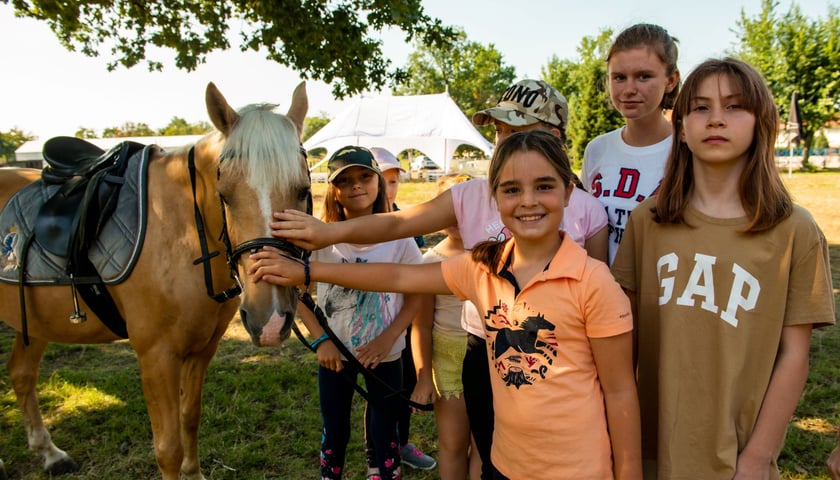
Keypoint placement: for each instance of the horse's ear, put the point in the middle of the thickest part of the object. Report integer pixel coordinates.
(300, 104)
(222, 116)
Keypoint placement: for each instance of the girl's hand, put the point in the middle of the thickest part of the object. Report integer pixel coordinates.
(272, 267)
(329, 356)
(424, 393)
(300, 228)
(751, 467)
(373, 352)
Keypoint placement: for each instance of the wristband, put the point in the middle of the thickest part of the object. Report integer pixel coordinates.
(306, 278)
(318, 341)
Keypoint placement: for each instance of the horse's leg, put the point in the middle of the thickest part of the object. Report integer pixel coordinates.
(192, 383)
(160, 374)
(2, 471)
(23, 367)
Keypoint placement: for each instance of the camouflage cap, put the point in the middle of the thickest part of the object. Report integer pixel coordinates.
(526, 103)
(348, 157)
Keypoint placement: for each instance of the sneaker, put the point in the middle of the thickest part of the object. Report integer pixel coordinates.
(414, 458)
(373, 474)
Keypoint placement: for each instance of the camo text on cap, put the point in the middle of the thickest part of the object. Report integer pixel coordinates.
(350, 156)
(385, 159)
(526, 103)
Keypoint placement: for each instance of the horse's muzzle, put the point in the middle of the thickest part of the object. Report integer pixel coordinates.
(273, 333)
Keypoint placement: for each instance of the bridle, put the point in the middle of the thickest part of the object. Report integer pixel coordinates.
(232, 253)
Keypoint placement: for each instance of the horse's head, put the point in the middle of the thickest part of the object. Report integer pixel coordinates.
(261, 170)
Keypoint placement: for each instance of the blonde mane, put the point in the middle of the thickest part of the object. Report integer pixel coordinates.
(261, 144)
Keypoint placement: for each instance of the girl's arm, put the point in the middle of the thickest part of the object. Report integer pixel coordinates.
(834, 462)
(326, 351)
(614, 361)
(308, 232)
(421, 350)
(597, 246)
(272, 267)
(786, 384)
(373, 352)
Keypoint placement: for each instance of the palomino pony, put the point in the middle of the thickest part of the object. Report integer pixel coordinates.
(241, 173)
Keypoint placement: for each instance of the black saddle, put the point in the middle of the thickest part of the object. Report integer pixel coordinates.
(69, 156)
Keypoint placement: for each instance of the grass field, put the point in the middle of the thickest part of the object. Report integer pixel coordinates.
(260, 406)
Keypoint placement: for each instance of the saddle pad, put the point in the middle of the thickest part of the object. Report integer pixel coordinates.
(113, 254)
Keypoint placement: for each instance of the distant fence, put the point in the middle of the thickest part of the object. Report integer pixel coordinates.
(819, 161)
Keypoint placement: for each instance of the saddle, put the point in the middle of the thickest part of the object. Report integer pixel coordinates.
(87, 183)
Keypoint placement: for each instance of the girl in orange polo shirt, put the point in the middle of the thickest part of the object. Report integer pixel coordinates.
(558, 326)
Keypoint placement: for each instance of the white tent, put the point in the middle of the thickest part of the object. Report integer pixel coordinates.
(432, 124)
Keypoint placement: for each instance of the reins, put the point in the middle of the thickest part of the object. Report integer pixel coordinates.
(309, 302)
(206, 254)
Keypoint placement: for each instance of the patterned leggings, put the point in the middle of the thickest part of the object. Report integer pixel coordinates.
(336, 396)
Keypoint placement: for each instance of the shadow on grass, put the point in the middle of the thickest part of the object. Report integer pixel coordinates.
(261, 418)
(260, 413)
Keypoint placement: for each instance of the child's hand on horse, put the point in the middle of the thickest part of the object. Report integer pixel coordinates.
(301, 229)
(273, 267)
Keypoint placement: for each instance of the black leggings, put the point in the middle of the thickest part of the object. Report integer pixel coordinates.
(478, 397)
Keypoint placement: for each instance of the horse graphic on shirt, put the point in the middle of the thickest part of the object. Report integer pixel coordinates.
(524, 340)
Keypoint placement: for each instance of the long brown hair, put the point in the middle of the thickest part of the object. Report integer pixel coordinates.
(763, 195)
(334, 210)
(545, 143)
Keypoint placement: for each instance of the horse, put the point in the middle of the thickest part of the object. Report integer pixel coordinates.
(214, 196)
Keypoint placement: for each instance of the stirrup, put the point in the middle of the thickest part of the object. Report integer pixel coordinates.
(78, 316)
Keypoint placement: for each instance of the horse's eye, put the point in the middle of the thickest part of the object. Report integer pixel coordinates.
(303, 194)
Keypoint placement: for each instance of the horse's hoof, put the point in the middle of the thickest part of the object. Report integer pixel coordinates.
(63, 466)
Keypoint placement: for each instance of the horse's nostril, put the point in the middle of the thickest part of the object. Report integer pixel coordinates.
(243, 316)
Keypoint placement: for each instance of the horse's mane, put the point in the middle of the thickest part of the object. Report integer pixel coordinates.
(261, 144)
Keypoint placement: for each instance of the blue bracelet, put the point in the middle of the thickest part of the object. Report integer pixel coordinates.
(318, 341)
(306, 278)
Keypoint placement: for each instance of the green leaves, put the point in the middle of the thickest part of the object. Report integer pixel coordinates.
(475, 75)
(324, 40)
(796, 53)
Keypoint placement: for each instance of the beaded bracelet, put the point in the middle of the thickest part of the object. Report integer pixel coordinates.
(306, 278)
(318, 341)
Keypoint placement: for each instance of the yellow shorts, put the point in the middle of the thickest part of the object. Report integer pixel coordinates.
(448, 351)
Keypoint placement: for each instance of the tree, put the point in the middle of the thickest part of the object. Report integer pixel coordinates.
(311, 125)
(474, 75)
(796, 54)
(329, 41)
(583, 83)
(84, 132)
(128, 129)
(179, 126)
(10, 141)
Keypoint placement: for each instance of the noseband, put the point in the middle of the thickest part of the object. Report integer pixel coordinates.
(232, 254)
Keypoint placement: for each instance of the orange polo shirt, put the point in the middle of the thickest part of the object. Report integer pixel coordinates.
(550, 418)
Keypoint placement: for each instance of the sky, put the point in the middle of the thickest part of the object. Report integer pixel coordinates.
(46, 90)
